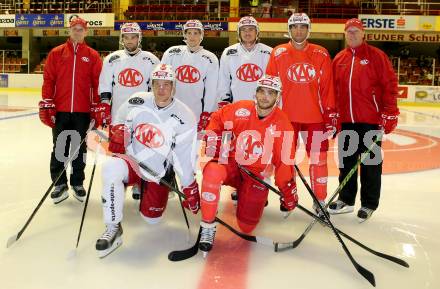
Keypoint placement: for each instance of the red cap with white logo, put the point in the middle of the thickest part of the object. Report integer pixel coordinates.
(354, 22)
(78, 21)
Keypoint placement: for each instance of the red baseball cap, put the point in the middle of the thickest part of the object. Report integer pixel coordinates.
(78, 21)
(354, 22)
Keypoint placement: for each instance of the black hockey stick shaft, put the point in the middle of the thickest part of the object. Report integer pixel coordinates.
(180, 255)
(88, 193)
(374, 252)
(335, 194)
(364, 272)
(15, 238)
(181, 205)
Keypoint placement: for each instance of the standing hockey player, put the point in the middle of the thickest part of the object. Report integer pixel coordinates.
(259, 143)
(125, 72)
(366, 94)
(196, 72)
(153, 136)
(308, 97)
(242, 64)
(70, 92)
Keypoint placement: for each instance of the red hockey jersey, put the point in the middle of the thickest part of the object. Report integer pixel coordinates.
(307, 81)
(257, 144)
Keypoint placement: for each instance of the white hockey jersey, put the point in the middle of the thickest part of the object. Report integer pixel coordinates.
(160, 136)
(239, 71)
(196, 77)
(122, 75)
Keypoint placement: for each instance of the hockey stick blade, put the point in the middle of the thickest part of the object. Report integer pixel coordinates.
(361, 270)
(181, 255)
(11, 240)
(250, 238)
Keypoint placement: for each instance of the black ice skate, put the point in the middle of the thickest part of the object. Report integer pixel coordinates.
(207, 237)
(79, 193)
(60, 193)
(110, 240)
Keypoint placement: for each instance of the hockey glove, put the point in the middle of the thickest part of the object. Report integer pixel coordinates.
(192, 201)
(203, 121)
(47, 112)
(331, 121)
(101, 113)
(289, 200)
(213, 144)
(119, 138)
(388, 122)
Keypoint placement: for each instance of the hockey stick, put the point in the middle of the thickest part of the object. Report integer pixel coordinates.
(364, 272)
(17, 236)
(73, 252)
(296, 243)
(183, 211)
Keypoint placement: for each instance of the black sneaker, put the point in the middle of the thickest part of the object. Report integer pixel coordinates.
(364, 214)
(79, 193)
(59, 194)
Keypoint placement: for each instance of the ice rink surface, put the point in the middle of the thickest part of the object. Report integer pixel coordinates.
(406, 225)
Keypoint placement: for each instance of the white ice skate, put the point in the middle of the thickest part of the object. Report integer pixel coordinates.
(110, 240)
(207, 237)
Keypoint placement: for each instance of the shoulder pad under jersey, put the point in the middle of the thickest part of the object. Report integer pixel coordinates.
(231, 51)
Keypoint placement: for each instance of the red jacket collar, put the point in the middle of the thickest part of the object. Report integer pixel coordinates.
(358, 50)
(70, 44)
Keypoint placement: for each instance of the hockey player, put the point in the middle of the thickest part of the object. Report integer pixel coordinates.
(196, 72)
(125, 72)
(243, 63)
(259, 143)
(153, 136)
(308, 98)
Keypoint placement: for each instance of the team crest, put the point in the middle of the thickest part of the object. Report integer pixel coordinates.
(301, 72)
(130, 77)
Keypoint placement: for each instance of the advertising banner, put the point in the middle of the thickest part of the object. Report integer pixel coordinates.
(7, 20)
(93, 19)
(175, 25)
(39, 20)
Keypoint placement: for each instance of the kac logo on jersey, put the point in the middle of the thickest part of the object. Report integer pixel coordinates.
(250, 147)
(130, 77)
(301, 72)
(149, 135)
(187, 74)
(249, 72)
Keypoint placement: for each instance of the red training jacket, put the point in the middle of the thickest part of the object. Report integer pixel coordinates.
(365, 84)
(71, 77)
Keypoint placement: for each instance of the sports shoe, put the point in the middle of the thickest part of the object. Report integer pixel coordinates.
(318, 210)
(110, 240)
(207, 236)
(339, 207)
(135, 192)
(60, 193)
(364, 214)
(79, 193)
